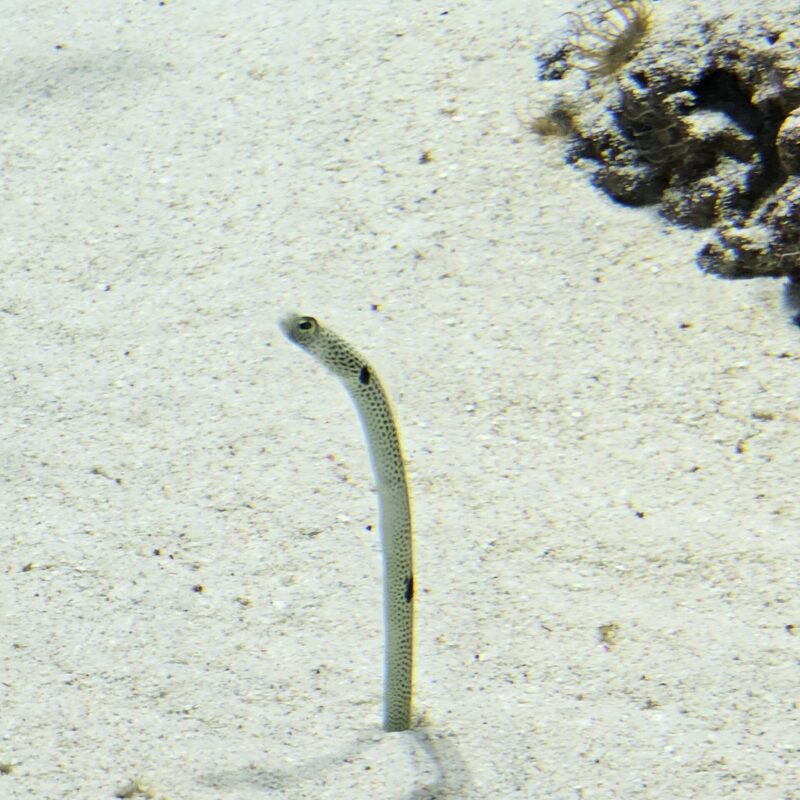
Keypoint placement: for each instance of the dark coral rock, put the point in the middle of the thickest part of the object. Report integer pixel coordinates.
(704, 120)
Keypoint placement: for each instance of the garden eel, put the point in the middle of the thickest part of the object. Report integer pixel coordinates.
(386, 455)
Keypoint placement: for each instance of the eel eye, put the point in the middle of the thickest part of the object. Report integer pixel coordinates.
(306, 324)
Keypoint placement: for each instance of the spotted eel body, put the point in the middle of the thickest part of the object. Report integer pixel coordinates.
(386, 455)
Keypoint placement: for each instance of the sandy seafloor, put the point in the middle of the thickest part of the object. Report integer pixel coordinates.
(602, 441)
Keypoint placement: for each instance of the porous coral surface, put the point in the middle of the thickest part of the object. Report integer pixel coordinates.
(703, 119)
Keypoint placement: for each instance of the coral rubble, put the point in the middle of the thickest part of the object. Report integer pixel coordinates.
(703, 119)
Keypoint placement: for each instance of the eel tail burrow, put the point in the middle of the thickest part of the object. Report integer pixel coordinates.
(386, 455)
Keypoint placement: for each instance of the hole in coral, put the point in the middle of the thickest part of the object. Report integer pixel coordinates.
(721, 91)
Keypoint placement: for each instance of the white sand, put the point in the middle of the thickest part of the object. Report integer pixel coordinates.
(598, 434)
